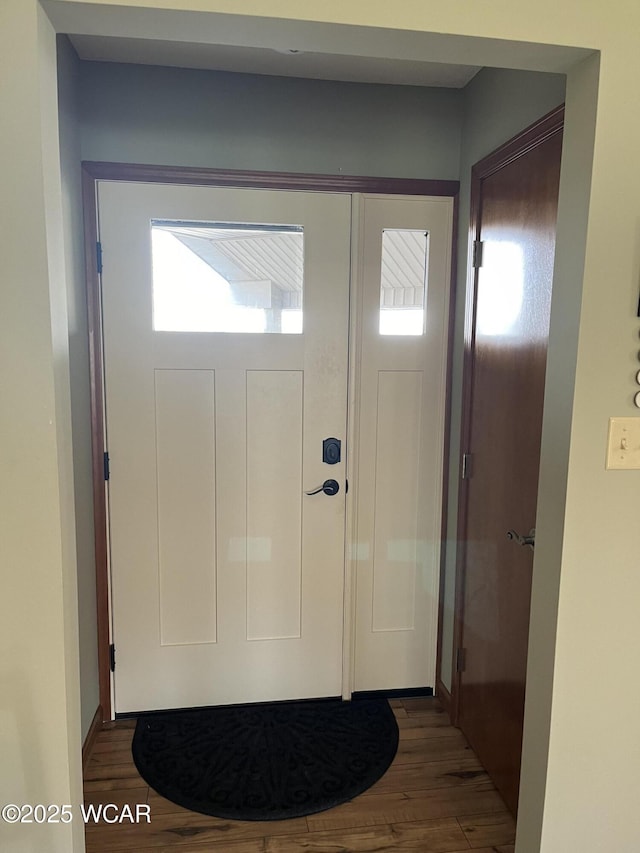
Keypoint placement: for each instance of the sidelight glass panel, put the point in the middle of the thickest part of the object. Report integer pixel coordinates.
(227, 277)
(403, 281)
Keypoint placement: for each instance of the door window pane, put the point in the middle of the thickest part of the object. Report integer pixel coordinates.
(227, 277)
(403, 281)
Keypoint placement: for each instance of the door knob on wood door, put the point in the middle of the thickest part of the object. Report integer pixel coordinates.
(530, 539)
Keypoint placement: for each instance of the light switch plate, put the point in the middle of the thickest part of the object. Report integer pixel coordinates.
(623, 446)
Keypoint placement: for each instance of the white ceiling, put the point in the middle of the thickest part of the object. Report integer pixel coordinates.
(282, 62)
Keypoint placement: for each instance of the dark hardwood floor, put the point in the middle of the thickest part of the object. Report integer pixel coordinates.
(435, 798)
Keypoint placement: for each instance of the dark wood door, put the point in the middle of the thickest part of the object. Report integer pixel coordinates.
(514, 207)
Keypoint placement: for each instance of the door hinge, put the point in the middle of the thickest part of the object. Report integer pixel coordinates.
(478, 248)
(99, 257)
(461, 656)
(466, 466)
(112, 657)
(107, 470)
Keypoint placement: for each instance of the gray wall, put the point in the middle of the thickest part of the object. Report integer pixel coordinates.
(173, 116)
(498, 104)
(69, 122)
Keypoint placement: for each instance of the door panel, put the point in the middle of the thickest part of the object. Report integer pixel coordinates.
(518, 206)
(186, 476)
(404, 302)
(273, 565)
(227, 582)
(395, 556)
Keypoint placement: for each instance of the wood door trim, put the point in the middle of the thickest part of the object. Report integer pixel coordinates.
(94, 318)
(92, 172)
(92, 735)
(268, 180)
(441, 691)
(533, 136)
(443, 696)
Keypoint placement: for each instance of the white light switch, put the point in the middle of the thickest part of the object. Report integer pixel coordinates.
(623, 449)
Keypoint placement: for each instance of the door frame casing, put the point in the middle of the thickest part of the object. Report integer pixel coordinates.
(92, 172)
(531, 137)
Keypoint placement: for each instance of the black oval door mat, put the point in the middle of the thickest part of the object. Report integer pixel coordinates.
(266, 762)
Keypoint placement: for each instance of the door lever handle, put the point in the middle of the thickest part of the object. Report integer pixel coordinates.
(530, 539)
(329, 487)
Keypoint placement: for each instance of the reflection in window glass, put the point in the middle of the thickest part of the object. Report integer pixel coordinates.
(500, 288)
(227, 277)
(403, 281)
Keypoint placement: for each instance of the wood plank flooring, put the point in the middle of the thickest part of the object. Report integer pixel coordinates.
(435, 798)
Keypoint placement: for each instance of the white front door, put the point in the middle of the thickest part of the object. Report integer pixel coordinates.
(226, 339)
(226, 329)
